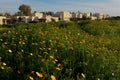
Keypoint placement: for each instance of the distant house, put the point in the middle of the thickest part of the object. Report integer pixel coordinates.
(93, 18)
(51, 19)
(3, 20)
(64, 16)
(99, 15)
(39, 15)
(48, 18)
(25, 19)
(55, 19)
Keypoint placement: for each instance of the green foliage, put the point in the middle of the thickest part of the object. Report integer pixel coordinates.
(25, 10)
(85, 50)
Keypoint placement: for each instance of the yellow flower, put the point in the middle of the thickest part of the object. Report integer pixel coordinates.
(43, 59)
(49, 49)
(6, 43)
(50, 40)
(31, 54)
(10, 51)
(32, 72)
(56, 60)
(78, 34)
(31, 78)
(58, 69)
(83, 75)
(1, 39)
(51, 57)
(39, 74)
(45, 52)
(53, 77)
(4, 64)
(2, 67)
(21, 42)
(58, 64)
(98, 79)
(22, 50)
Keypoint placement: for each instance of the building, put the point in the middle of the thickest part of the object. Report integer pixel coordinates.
(39, 15)
(3, 20)
(99, 15)
(64, 16)
(51, 19)
(74, 15)
(93, 18)
(87, 15)
(48, 18)
(55, 19)
(25, 19)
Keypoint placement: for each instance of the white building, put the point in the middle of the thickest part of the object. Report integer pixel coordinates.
(87, 15)
(39, 15)
(51, 18)
(64, 16)
(99, 15)
(56, 19)
(25, 19)
(48, 18)
(2, 20)
(93, 18)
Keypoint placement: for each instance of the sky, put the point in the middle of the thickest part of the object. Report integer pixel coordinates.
(111, 7)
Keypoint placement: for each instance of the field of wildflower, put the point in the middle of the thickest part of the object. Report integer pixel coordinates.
(85, 50)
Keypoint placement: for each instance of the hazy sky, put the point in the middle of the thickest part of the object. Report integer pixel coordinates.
(111, 7)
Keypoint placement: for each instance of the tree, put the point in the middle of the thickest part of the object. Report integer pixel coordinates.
(8, 15)
(25, 9)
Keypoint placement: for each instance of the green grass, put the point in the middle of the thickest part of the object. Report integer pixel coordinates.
(85, 50)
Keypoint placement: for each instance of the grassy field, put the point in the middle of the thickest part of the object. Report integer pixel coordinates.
(85, 50)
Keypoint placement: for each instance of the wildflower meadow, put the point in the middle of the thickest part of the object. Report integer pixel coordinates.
(85, 50)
